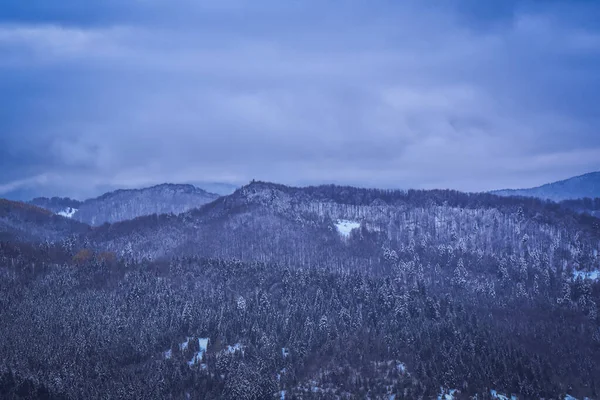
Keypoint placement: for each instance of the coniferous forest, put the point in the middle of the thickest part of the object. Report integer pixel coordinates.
(267, 294)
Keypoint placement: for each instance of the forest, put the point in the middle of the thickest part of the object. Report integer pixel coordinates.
(259, 295)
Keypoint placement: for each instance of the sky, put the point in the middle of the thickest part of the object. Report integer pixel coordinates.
(460, 94)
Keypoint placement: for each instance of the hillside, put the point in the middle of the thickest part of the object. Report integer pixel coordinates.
(25, 222)
(314, 292)
(276, 223)
(122, 205)
(56, 204)
(579, 187)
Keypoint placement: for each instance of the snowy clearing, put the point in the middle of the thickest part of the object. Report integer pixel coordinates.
(344, 226)
(68, 212)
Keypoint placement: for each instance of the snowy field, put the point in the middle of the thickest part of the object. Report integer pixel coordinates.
(344, 227)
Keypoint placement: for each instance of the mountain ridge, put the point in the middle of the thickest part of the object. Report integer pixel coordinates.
(27, 222)
(274, 213)
(125, 204)
(577, 187)
(329, 266)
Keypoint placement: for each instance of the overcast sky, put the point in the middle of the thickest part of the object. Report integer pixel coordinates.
(471, 95)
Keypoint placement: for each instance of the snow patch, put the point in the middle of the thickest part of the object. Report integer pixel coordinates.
(234, 348)
(593, 275)
(184, 345)
(68, 212)
(282, 372)
(168, 354)
(401, 367)
(500, 396)
(447, 396)
(344, 226)
(202, 345)
(282, 395)
(197, 357)
(285, 352)
(496, 395)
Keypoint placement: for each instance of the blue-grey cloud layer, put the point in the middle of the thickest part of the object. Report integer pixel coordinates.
(390, 94)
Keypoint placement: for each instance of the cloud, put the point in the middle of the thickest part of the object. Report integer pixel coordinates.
(379, 95)
(23, 183)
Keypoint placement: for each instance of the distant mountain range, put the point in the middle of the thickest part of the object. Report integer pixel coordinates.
(579, 187)
(259, 222)
(128, 204)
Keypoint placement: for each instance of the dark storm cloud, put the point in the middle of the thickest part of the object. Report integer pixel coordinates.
(376, 94)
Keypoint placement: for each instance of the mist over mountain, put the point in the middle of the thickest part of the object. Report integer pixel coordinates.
(127, 204)
(579, 187)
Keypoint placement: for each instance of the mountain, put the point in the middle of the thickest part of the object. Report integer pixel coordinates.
(25, 222)
(309, 292)
(127, 204)
(578, 187)
(306, 226)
